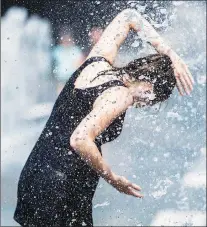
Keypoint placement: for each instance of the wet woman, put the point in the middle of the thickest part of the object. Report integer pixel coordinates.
(58, 181)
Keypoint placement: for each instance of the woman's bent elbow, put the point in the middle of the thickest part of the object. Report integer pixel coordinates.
(73, 142)
(77, 141)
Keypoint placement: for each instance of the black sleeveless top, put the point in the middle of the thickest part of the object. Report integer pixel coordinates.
(70, 108)
(55, 183)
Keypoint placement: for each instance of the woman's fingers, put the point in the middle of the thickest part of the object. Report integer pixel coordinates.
(184, 84)
(188, 81)
(134, 193)
(135, 186)
(184, 79)
(179, 87)
(191, 78)
(189, 75)
(178, 83)
(125, 186)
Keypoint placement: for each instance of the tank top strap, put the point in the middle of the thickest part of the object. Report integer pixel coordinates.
(112, 83)
(91, 60)
(86, 63)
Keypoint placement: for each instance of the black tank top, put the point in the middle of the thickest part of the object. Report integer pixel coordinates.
(56, 182)
(70, 108)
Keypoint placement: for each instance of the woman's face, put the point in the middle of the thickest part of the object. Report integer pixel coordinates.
(143, 94)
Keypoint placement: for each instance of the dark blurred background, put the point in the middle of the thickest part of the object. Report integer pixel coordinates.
(81, 16)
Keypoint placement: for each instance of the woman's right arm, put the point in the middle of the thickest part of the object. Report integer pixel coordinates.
(117, 31)
(109, 105)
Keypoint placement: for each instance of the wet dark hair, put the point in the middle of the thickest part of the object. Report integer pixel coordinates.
(155, 69)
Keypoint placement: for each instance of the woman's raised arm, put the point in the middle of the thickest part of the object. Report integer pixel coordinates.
(116, 32)
(112, 37)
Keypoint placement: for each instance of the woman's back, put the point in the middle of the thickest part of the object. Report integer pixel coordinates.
(72, 105)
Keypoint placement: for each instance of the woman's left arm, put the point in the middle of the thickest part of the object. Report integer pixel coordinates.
(183, 76)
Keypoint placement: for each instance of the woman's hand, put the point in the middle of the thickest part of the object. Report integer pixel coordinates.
(184, 79)
(183, 76)
(125, 186)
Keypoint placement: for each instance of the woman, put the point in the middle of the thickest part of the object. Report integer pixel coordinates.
(59, 179)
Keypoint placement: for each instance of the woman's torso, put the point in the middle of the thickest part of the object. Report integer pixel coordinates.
(73, 104)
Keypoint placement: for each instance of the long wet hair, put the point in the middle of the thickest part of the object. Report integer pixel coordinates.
(155, 69)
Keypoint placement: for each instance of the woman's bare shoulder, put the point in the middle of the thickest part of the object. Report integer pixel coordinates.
(90, 72)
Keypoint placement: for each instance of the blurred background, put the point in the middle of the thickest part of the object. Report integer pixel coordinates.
(44, 42)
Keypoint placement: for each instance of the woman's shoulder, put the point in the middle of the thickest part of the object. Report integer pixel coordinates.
(90, 72)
